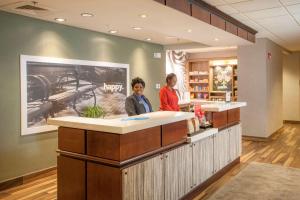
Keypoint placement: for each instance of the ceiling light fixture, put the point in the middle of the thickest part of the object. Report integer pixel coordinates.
(143, 16)
(148, 39)
(112, 31)
(60, 19)
(137, 28)
(216, 39)
(189, 30)
(87, 15)
(171, 37)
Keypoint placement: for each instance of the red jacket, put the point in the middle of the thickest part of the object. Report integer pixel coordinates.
(168, 99)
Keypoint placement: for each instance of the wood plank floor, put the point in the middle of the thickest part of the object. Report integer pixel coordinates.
(283, 149)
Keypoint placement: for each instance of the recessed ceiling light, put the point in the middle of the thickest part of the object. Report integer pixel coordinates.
(216, 39)
(60, 19)
(148, 39)
(87, 15)
(137, 28)
(189, 30)
(171, 37)
(112, 31)
(143, 16)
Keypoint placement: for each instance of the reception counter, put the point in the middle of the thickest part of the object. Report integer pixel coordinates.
(145, 157)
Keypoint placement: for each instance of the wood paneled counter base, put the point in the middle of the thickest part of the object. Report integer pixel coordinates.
(152, 164)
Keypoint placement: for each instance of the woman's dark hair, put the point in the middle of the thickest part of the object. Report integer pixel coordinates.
(170, 76)
(137, 80)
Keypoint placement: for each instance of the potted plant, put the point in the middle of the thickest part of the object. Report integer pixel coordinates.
(94, 112)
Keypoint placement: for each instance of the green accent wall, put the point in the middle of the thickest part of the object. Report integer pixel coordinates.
(20, 155)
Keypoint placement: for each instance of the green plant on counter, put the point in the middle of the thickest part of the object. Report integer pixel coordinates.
(94, 112)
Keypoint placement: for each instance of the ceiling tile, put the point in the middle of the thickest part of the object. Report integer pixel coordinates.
(240, 17)
(227, 9)
(297, 17)
(294, 9)
(277, 22)
(215, 2)
(290, 2)
(255, 5)
(267, 13)
(235, 1)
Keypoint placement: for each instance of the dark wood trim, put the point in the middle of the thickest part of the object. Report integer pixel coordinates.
(291, 122)
(125, 163)
(26, 178)
(71, 178)
(231, 28)
(219, 119)
(121, 147)
(200, 13)
(218, 21)
(211, 180)
(251, 37)
(242, 33)
(233, 116)
(104, 182)
(174, 132)
(180, 5)
(71, 139)
(216, 11)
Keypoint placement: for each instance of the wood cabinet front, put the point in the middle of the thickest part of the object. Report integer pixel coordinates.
(203, 163)
(70, 179)
(178, 172)
(121, 147)
(221, 150)
(144, 181)
(235, 141)
(174, 133)
(219, 119)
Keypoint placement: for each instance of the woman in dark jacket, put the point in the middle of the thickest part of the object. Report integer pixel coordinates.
(137, 103)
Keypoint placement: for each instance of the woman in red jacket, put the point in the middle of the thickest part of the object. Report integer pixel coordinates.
(167, 95)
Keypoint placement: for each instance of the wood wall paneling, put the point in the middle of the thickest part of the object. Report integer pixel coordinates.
(218, 22)
(71, 139)
(103, 145)
(231, 28)
(233, 116)
(121, 147)
(140, 142)
(251, 37)
(219, 119)
(103, 182)
(200, 13)
(174, 132)
(71, 178)
(181, 5)
(242, 33)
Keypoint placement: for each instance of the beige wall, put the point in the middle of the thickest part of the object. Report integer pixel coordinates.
(213, 54)
(291, 90)
(274, 88)
(260, 85)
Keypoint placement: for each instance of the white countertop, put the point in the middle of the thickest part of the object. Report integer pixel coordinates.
(202, 135)
(221, 106)
(122, 125)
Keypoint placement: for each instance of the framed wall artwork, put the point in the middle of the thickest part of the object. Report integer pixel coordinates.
(55, 87)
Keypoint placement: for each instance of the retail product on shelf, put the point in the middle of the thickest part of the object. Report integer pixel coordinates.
(201, 79)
